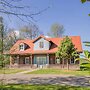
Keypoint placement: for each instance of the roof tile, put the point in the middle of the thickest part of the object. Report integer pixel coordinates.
(15, 49)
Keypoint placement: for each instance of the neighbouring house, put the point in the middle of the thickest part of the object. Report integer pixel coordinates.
(40, 52)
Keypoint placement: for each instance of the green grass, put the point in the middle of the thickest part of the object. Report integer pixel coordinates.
(10, 71)
(62, 72)
(42, 87)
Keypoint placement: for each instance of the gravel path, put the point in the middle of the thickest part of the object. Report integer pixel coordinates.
(21, 78)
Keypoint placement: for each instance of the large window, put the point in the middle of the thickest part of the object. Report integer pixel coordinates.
(41, 60)
(21, 47)
(41, 44)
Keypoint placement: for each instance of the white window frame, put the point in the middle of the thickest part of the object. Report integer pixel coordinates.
(57, 60)
(21, 47)
(26, 60)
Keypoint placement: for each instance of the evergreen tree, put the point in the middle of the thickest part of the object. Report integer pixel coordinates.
(66, 50)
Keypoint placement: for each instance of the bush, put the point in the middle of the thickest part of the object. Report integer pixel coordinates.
(85, 66)
(5, 61)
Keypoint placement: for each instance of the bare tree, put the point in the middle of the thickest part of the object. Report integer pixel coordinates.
(12, 7)
(1, 35)
(10, 38)
(57, 30)
(1, 42)
(29, 32)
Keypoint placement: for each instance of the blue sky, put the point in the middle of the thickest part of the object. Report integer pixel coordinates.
(72, 14)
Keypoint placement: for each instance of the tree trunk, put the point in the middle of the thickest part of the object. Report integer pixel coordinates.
(67, 65)
(1, 34)
(63, 63)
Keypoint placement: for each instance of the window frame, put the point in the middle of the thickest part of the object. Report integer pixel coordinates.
(27, 58)
(58, 61)
(71, 61)
(21, 47)
(41, 44)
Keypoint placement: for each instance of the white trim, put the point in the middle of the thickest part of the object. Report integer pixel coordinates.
(23, 46)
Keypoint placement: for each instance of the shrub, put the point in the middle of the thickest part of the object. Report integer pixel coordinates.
(5, 61)
(85, 66)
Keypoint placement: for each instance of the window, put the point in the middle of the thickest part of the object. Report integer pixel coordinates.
(72, 61)
(41, 44)
(27, 60)
(15, 60)
(21, 47)
(57, 60)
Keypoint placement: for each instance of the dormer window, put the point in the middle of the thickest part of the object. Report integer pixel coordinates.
(21, 47)
(41, 44)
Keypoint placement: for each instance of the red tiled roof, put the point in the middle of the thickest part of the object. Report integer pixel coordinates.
(41, 36)
(15, 49)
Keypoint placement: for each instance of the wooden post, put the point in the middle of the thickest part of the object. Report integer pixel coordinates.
(67, 64)
(63, 63)
(18, 62)
(55, 59)
(18, 59)
(48, 59)
(11, 60)
(31, 60)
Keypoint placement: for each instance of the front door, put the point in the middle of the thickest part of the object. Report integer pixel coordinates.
(41, 61)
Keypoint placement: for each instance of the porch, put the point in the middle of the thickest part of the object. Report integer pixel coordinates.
(29, 61)
(41, 61)
(21, 61)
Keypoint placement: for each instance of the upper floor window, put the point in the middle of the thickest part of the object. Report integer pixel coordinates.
(41, 44)
(21, 47)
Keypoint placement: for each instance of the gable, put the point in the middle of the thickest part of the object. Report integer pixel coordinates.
(46, 44)
(76, 40)
(28, 47)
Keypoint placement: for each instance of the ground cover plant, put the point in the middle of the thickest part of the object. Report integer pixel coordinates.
(42, 87)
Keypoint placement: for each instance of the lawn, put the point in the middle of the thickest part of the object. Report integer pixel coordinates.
(62, 72)
(10, 71)
(42, 87)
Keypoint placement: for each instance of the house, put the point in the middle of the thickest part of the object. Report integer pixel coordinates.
(40, 52)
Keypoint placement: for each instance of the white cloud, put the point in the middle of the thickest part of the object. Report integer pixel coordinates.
(17, 33)
(47, 36)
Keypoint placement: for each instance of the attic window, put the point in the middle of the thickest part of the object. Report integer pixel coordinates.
(41, 44)
(21, 47)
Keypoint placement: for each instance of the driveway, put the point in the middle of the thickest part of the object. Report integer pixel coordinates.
(21, 78)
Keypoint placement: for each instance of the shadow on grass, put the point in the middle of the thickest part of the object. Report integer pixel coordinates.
(38, 81)
(41, 87)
